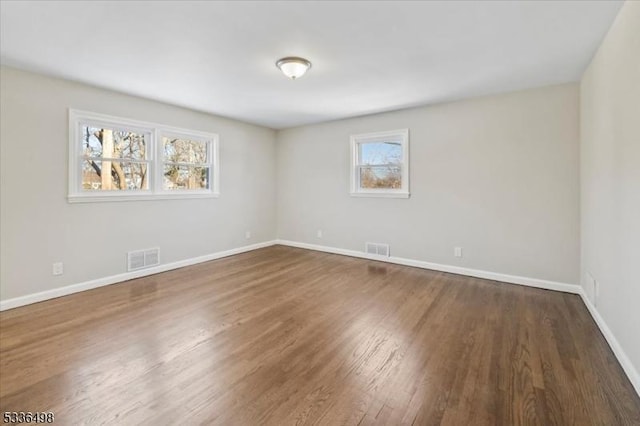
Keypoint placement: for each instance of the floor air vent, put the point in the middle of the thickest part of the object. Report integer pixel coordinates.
(377, 248)
(143, 259)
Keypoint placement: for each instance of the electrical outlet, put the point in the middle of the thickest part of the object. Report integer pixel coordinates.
(247, 234)
(457, 251)
(58, 268)
(319, 233)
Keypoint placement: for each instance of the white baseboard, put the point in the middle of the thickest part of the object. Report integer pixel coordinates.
(620, 354)
(495, 276)
(100, 282)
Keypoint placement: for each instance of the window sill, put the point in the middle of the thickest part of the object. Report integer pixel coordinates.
(380, 194)
(73, 199)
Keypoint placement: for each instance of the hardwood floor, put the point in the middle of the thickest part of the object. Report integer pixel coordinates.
(288, 336)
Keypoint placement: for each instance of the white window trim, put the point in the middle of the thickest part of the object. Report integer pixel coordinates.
(356, 140)
(154, 159)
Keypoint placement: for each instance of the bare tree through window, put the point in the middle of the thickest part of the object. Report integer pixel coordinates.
(381, 165)
(113, 159)
(185, 164)
(120, 159)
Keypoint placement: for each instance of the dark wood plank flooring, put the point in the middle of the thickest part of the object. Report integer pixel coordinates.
(286, 336)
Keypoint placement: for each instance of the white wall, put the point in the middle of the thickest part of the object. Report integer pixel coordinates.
(39, 227)
(610, 180)
(497, 176)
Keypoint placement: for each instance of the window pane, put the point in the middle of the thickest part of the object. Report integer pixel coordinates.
(179, 150)
(185, 177)
(113, 143)
(373, 153)
(384, 177)
(121, 175)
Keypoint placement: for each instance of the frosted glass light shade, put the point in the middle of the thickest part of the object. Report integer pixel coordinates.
(293, 67)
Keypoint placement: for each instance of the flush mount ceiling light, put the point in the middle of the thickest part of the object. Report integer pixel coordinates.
(293, 67)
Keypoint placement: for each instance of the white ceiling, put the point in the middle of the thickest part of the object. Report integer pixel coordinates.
(367, 56)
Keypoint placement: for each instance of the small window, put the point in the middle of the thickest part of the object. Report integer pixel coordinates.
(380, 164)
(115, 159)
(186, 163)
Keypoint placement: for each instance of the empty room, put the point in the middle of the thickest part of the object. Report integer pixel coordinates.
(320, 212)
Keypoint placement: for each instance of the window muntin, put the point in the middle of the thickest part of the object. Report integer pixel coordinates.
(145, 160)
(380, 166)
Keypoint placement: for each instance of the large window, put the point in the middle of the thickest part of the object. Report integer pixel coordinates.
(380, 164)
(115, 159)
